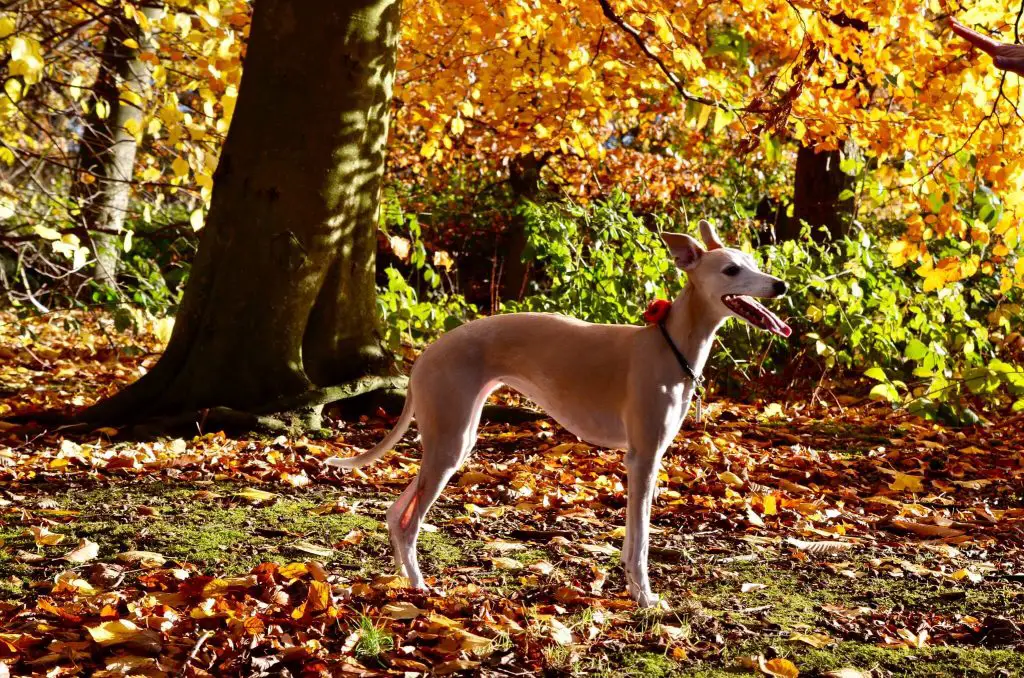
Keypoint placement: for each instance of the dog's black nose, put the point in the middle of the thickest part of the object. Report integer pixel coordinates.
(780, 287)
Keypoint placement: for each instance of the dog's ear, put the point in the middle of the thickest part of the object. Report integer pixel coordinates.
(686, 250)
(710, 235)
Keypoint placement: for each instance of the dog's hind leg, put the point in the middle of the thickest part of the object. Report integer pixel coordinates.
(447, 432)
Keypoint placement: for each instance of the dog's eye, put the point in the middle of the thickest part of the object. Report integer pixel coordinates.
(731, 270)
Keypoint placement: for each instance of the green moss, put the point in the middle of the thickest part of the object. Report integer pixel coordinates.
(438, 551)
(794, 597)
(935, 661)
(12, 587)
(647, 664)
(529, 556)
(210, 526)
(223, 534)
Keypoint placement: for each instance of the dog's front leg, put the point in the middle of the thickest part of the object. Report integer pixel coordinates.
(642, 476)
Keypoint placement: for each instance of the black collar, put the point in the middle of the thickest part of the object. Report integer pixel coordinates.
(680, 358)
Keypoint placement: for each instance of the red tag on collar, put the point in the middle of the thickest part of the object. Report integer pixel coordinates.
(657, 311)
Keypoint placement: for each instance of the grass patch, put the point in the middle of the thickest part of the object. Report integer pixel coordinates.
(794, 596)
(937, 661)
(373, 640)
(649, 664)
(210, 526)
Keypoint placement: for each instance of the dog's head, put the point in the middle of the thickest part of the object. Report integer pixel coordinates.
(727, 279)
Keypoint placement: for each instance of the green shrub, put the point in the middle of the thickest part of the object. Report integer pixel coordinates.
(599, 262)
(850, 309)
(412, 314)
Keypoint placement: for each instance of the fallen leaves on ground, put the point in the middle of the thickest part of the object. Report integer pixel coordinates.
(857, 494)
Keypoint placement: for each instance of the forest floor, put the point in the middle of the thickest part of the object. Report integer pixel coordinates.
(833, 538)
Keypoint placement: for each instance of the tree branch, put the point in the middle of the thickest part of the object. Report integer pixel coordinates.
(672, 77)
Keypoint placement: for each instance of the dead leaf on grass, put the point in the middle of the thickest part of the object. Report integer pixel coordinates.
(819, 547)
(256, 496)
(145, 559)
(86, 551)
(501, 563)
(778, 668)
(44, 537)
(847, 673)
(816, 640)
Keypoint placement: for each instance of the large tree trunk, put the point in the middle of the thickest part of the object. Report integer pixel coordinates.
(816, 189)
(108, 145)
(281, 298)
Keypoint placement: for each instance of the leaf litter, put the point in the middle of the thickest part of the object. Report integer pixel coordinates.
(845, 503)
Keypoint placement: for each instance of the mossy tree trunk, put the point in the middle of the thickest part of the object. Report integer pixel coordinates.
(281, 300)
(109, 139)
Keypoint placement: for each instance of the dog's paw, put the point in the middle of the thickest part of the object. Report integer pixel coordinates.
(646, 598)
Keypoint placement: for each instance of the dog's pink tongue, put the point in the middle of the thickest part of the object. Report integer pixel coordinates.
(772, 322)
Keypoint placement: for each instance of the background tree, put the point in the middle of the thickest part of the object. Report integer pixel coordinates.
(106, 157)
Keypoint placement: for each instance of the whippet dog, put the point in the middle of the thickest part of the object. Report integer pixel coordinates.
(615, 386)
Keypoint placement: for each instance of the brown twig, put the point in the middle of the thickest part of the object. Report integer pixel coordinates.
(195, 651)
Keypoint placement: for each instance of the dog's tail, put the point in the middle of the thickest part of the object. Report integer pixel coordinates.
(383, 446)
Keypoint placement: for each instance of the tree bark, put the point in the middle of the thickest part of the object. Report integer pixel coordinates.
(816, 189)
(109, 140)
(524, 178)
(281, 299)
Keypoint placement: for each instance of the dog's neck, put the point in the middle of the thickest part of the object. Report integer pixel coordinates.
(692, 326)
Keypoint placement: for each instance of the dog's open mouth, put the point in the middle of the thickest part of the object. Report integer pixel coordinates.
(756, 314)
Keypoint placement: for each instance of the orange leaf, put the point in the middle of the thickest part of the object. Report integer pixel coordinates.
(319, 597)
(780, 668)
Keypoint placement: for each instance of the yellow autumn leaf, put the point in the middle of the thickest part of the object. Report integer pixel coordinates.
(906, 482)
(196, 219)
(254, 495)
(443, 260)
(402, 610)
(731, 479)
(429, 149)
(124, 632)
(816, 640)
(7, 26)
(504, 563)
(179, 166)
(43, 536)
(25, 59)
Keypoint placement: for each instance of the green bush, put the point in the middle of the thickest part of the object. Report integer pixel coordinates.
(850, 309)
(599, 263)
(412, 314)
